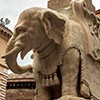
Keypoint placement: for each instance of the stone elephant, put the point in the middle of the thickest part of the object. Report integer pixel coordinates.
(61, 58)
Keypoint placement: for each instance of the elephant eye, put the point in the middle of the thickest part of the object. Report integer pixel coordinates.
(20, 30)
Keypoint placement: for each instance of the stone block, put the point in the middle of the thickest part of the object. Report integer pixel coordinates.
(55, 4)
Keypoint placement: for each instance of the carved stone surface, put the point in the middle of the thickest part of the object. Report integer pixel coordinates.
(66, 47)
(55, 4)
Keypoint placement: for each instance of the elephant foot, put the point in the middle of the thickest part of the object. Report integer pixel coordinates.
(68, 97)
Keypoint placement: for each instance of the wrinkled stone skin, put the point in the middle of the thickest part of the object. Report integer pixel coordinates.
(63, 45)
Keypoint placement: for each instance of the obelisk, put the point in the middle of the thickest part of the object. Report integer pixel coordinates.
(55, 4)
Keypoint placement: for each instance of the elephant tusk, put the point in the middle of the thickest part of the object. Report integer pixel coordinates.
(10, 59)
(24, 52)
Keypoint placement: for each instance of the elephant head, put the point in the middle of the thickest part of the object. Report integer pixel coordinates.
(35, 28)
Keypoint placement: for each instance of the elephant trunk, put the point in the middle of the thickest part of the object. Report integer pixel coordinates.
(10, 58)
(10, 44)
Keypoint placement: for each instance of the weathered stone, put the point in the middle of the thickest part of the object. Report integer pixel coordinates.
(55, 4)
(67, 51)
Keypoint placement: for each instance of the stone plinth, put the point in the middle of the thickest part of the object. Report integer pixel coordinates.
(55, 4)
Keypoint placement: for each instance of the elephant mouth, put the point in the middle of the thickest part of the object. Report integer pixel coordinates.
(11, 56)
(16, 50)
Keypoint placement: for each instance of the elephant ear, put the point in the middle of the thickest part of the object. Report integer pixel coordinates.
(54, 26)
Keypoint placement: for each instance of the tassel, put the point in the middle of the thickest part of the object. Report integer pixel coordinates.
(51, 80)
(56, 80)
(43, 81)
(47, 80)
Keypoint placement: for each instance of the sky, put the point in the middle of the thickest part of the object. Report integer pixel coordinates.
(12, 8)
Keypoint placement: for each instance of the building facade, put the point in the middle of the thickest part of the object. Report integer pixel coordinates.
(20, 86)
(98, 12)
(5, 34)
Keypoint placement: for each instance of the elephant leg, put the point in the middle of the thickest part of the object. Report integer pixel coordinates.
(44, 93)
(70, 73)
(56, 90)
(71, 98)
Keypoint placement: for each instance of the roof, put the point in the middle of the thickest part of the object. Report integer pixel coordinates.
(98, 12)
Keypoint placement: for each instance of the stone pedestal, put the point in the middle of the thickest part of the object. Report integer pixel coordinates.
(55, 4)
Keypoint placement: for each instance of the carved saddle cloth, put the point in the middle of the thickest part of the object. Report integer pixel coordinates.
(89, 47)
(82, 37)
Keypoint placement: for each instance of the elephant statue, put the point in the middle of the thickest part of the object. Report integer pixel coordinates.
(66, 51)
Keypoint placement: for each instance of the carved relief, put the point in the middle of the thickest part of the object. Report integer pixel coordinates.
(66, 46)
